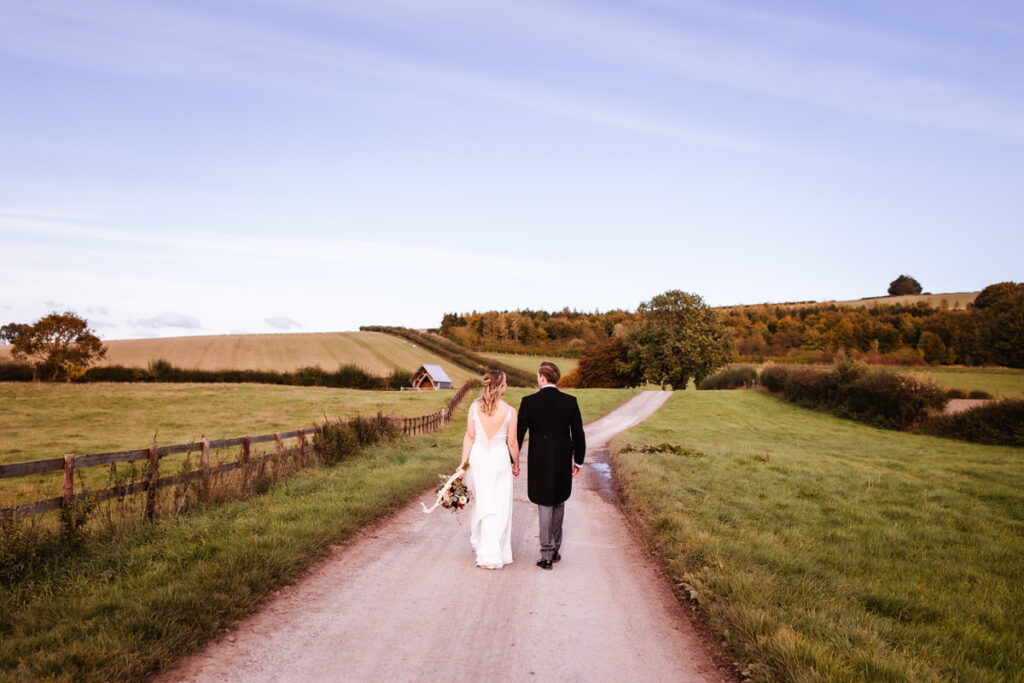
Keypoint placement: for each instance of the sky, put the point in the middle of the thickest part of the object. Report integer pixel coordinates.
(220, 166)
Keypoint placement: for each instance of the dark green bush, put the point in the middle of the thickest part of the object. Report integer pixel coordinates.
(888, 399)
(15, 372)
(735, 377)
(956, 393)
(309, 376)
(999, 422)
(115, 373)
(881, 398)
(352, 376)
(161, 370)
(773, 377)
(978, 393)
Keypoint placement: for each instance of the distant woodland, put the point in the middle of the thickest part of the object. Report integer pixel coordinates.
(988, 332)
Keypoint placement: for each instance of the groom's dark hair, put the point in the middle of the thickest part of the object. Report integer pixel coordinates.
(550, 372)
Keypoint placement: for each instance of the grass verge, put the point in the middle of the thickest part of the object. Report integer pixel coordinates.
(821, 549)
(122, 606)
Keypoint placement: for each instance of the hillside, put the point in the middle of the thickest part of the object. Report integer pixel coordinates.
(954, 300)
(376, 353)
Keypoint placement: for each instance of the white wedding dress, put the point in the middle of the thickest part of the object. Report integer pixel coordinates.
(490, 478)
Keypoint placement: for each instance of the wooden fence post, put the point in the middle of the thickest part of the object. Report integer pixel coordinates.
(204, 466)
(245, 450)
(302, 447)
(151, 472)
(277, 454)
(69, 480)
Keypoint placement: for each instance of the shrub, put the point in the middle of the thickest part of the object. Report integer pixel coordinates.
(351, 376)
(15, 372)
(999, 422)
(397, 379)
(889, 400)
(773, 377)
(115, 373)
(956, 393)
(598, 367)
(881, 398)
(979, 393)
(336, 441)
(735, 377)
(847, 370)
(161, 370)
(309, 376)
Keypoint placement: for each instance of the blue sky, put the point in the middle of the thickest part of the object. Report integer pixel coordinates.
(174, 168)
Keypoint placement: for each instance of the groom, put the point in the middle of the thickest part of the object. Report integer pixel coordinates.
(557, 447)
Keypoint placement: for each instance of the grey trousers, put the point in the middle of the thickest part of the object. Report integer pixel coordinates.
(550, 529)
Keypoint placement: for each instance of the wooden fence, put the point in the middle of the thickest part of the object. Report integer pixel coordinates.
(303, 449)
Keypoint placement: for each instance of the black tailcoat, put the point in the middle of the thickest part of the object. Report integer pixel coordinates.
(556, 440)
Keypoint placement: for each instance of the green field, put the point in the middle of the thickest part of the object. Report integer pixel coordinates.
(531, 363)
(375, 352)
(1000, 382)
(48, 420)
(123, 606)
(822, 549)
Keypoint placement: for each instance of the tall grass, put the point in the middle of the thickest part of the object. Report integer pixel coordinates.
(825, 550)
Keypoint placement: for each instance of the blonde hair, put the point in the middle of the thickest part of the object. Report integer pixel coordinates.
(493, 381)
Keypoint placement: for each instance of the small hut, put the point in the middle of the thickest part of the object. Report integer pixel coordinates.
(431, 377)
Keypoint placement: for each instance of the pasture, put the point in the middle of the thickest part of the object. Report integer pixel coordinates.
(531, 363)
(375, 352)
(823, 549)
(1000, 382)
(48, 420)
(125, 604)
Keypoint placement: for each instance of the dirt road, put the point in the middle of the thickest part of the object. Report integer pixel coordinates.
(404, 601)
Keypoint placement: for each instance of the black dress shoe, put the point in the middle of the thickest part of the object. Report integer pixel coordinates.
(556, 558)
(544, 564)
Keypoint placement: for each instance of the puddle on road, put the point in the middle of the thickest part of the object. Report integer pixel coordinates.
(601, 478)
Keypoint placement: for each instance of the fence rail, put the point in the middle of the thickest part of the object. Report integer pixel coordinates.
(412, 426)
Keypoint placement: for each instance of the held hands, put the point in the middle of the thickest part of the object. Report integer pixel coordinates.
(515, 470)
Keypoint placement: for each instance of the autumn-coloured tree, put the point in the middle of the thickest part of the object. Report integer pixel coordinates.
(58, 345)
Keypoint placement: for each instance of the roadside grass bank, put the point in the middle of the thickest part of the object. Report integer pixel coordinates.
(123, 605)
(820, 549)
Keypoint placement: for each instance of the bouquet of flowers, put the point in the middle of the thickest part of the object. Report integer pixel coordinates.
(456, 496)
(452, 494)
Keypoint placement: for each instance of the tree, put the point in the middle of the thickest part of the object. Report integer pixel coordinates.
(57, 344)
(904, 284)
(999, 310)
(678, 338)
(599, 364)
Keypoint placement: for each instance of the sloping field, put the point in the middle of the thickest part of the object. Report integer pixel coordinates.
(531, 363)
(825, 550)
(953, 300)
(375, 352)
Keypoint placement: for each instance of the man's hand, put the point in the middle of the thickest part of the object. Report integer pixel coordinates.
(576, 469)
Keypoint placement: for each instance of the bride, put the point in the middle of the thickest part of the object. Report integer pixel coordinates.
(491, 449)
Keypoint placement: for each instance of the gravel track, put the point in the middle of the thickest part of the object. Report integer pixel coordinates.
(403, 601)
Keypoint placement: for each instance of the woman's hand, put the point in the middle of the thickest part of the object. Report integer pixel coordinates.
(461, 472)
(515, 470)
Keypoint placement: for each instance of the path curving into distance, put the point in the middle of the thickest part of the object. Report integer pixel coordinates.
(403, 601)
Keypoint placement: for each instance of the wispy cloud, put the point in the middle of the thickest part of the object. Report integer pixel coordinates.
(282, 322)
(170, 319)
